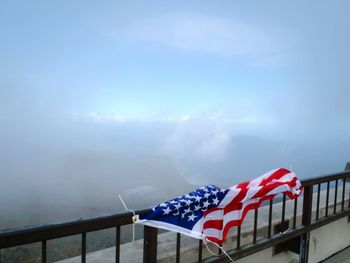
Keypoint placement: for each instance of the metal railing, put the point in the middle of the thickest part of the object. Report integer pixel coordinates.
(296, 239)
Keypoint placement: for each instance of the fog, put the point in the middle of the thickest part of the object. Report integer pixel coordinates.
(142, 102)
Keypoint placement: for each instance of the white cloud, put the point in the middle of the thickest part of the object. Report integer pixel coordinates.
(199, 139)
(202, 33)
(98, 117)
(176, 119)
(214, 146)
(119, 118)
(226, 119)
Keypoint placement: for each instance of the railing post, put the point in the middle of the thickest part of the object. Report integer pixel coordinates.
(306, 221)
(43, 251)
(347, 168)
(150, 237)
(117, 244)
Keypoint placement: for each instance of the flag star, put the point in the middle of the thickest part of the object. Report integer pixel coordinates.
(173, 202)
(215, 201)
(188, 202)
(198, 198)
(215, 192)
(175, 214)
(187, 211)
(166, 211)
(177, 206)
(206, 204)
(163, 204)
(206, 195)
(191, 217)
(197, 207)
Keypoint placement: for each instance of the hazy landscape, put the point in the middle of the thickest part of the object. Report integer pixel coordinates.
(44, 189)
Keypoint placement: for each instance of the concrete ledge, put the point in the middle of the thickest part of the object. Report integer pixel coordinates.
(329, 239)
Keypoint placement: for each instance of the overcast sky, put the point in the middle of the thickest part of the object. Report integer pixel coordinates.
(203, 83)
(264, 65)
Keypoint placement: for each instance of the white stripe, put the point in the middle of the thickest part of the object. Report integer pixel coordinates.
(213, 232)
(251, 192)
(285, 178)
(171, 227)
(231, 194)
(214, 215)
(257, 181)
(198, 227)
(280, 189)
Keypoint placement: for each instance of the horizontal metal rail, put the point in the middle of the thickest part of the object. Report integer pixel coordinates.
(38, 234)
(326, 178)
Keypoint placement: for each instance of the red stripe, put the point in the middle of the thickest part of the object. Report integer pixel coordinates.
(268, 188)
(243, 185)
(217, 224)
(276, 175)
(211, 210)
(235, 203)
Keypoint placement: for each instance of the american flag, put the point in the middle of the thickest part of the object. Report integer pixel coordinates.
(209, 212)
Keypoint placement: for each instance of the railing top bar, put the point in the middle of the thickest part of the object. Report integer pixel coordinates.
(120, 218)
(47, 232)
(325, 178)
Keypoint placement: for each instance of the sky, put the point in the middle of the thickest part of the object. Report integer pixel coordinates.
(217, 92)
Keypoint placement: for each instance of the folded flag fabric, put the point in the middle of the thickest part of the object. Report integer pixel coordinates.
(209, 212)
